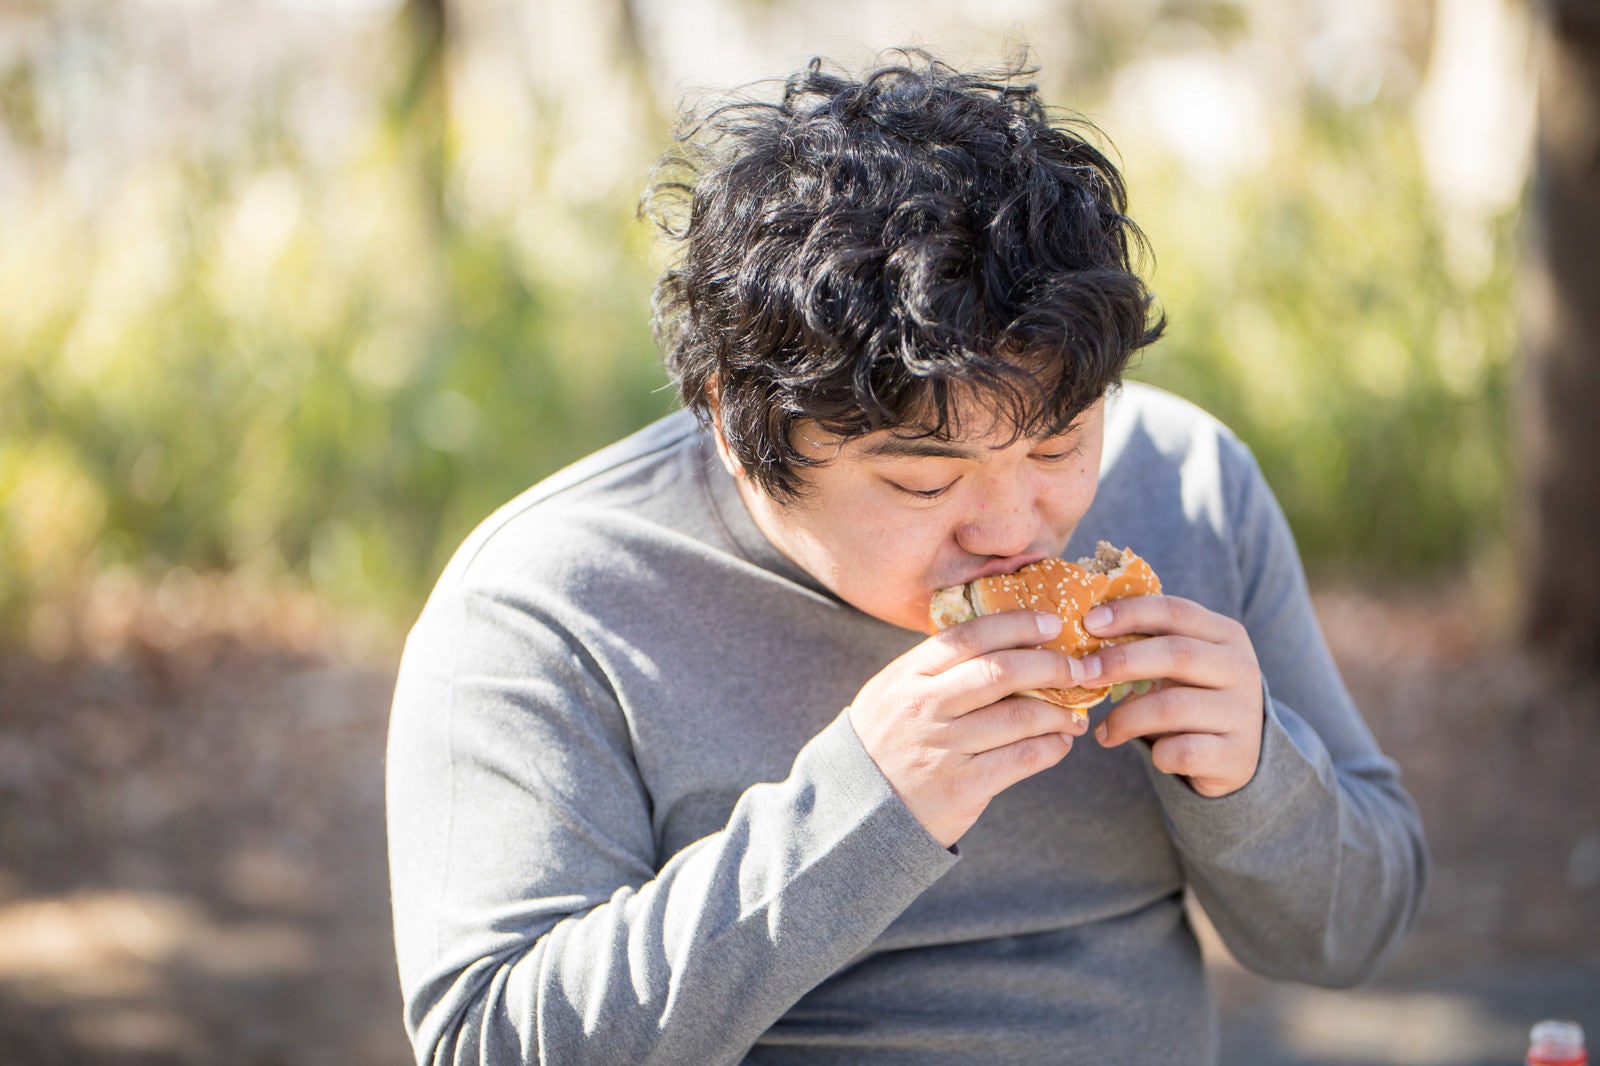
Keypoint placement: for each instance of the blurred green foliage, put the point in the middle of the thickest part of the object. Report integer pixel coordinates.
(320, 375)
(1322, 309)
(292, 376)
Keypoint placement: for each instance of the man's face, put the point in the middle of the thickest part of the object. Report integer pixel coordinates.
(890, 520)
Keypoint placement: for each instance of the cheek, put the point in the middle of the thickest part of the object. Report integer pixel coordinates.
(896, 555)
(1062, 504)
(902, 544)
(1073, 494)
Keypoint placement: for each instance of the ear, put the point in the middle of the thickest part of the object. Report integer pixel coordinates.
(724, 453)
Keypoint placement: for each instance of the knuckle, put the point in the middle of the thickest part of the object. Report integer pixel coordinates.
(923, 763)
(992, 671)
(920, 705)
(1174, 755)
(1167, 708)
(1172, 611)
(1037, 753)
(1182, 653)
(939, 735)
(1161, 706)
(1112, 658)
(1019, 715)
(1023, 754)
(961, 639)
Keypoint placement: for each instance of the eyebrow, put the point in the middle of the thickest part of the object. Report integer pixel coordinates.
(919, 447)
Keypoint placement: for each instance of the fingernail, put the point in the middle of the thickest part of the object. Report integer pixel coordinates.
(1090, 665)
(1100, 616)
(1076, 669)
(1101, 733)
(1049, 624)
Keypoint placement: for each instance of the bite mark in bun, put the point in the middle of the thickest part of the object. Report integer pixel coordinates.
(1070, 590)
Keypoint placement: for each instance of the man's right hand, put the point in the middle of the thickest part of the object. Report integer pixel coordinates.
(944, 725)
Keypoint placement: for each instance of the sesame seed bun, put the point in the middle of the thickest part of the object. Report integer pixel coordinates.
(1069, 589)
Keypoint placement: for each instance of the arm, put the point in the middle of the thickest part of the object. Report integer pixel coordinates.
(1296, 834)
(531, 919)
(534, 919)
(1314, 871)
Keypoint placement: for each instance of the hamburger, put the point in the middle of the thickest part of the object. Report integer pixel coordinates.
(1069, 589)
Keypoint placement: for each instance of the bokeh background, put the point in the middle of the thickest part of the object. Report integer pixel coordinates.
(294, 292)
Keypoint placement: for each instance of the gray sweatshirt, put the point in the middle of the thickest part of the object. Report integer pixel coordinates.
(629, 823)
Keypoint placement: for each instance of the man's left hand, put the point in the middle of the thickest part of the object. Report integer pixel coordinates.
(1204, 719)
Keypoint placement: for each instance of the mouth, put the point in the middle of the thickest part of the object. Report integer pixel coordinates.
(950, 598)
(1008, 565)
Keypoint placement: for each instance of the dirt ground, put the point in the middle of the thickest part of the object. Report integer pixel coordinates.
(192, 860)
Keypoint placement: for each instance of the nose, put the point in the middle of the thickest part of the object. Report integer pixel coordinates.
(1007, 522)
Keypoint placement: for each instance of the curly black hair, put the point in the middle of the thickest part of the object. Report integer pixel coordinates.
(863, 251)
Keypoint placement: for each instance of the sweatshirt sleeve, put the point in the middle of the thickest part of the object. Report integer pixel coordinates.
(1315, 870)
(534, 920)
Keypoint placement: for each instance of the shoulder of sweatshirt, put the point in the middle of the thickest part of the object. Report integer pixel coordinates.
(643, 480)
(1166, 456)
(1141, 416)
(1175, 483)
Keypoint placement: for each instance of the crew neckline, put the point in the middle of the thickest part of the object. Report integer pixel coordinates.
(722, 493)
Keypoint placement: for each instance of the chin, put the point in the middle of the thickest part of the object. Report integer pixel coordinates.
(909, 614)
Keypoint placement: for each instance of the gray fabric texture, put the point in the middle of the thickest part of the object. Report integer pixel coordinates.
(629, 822)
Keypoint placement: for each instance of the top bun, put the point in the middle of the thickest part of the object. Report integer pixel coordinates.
(1068, 589)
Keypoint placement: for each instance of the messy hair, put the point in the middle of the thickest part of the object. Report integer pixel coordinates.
(864, 252)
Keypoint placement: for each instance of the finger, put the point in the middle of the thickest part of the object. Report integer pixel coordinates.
(1213, 765)
(979, 636)
(1000, 768)
(1160, 614)
(992, 677)
(1011, 720)
(1165, 712)
(1182, 659)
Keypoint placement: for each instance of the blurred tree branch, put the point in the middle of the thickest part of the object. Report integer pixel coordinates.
(1559, 427)
(636, 55)
(421, 105)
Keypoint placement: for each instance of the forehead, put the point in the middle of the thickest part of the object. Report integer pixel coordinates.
(972, 427)
(971, 438)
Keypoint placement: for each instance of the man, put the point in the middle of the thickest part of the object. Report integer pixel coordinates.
(675, 774)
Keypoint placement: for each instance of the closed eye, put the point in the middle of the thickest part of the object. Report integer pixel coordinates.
(1057, 457)
(923, 494)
